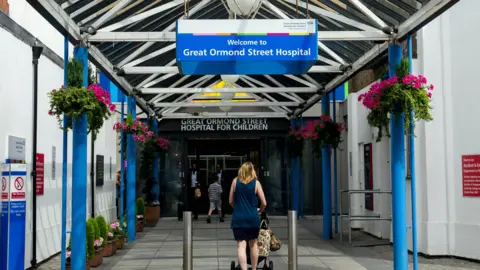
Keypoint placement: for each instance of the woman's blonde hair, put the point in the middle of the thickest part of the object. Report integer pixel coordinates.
(246, 173)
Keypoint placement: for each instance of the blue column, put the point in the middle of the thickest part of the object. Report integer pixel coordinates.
(412, 169)
(335, 178)
(122, 165)
(64, 161)
(397, 148)
(295, 164)
(326, 179)
(131, 175)
(79, 177)
(156, 175)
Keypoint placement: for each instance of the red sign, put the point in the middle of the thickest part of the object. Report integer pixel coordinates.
(471, 175)
(40, 167)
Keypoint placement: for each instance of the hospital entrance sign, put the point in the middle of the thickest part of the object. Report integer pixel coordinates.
(209, 47)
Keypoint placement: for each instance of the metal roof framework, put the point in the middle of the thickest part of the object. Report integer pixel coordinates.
(133, 43)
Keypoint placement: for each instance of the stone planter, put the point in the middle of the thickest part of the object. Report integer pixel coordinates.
(68, 266)
(152, 215)
(97, 258)
(120, 242)
(110, 249)
(139, 226)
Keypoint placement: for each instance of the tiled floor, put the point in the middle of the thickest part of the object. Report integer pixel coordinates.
(214, 248)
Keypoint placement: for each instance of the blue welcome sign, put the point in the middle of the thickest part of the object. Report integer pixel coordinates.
(14, 204)
(210, 47)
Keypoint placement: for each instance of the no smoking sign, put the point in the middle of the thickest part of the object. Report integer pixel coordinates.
(19, 183)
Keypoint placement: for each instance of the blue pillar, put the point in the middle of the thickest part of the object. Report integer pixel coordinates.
(397, 148)
(335, 178)
(295, 164)
(64, 161)
(156, 175)
(412, 169)
(122, 165)
(131, 175)
(326, 179)
(79, 177)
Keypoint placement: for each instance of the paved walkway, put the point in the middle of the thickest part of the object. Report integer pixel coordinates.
(214, 248)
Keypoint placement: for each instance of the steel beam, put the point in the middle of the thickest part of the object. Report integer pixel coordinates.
(223, 104)
(185, 90)
(174, 69)
(171, 36)
(225, 115)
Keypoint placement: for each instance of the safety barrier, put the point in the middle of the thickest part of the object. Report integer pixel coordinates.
(370, 217)
(292, 240)
(187, 241)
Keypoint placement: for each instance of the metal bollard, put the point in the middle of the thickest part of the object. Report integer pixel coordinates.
(292, 240)
(187, 241)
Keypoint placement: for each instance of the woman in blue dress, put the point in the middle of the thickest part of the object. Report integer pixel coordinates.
(245, 192)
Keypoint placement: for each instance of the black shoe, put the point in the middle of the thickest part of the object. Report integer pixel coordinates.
(208, 220)
(221, 219)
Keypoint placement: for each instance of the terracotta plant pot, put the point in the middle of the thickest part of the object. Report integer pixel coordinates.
(119, 243)
(109, 249)
(152, 215)
(68, 266)
(97, 259)
(140, 225)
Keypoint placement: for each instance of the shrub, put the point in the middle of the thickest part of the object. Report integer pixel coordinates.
(102, 227)
(140, 206)
(91, 224)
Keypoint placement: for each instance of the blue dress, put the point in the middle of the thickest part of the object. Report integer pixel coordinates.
(245, 219)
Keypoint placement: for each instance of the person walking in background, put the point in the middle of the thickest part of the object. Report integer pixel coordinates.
(194, 184)
(215, 192)
(245, 192)
(221, 182)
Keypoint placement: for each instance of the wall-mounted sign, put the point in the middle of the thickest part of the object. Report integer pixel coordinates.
(16, 149)
(54, 162)
(224, 125)
(246, 46)
(40, 168)
(471, 175)
(100, 170)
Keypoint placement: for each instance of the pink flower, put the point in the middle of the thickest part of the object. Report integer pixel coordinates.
(50, 113)
(110, 234)
(113, 225)
(429, 94)
(68, 254)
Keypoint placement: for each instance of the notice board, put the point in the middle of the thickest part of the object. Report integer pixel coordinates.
(471, 175)
(40, 168)
(100, 170)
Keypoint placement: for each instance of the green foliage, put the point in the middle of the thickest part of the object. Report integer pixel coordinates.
(91, 224)
(326, 132)
(102, 227)
(140, 206)
(96, 229)
(75, 73)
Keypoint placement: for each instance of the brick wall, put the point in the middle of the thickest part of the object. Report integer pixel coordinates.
(4, 5)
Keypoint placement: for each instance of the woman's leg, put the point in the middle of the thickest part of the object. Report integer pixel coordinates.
(242, 254)
(253, 253)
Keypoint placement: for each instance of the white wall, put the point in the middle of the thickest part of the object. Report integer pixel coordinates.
(16, 109)
(447, 221)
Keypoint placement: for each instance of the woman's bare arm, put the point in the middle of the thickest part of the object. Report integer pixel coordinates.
(232, 191)
(261, 196)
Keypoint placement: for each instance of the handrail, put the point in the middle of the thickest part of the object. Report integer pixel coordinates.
(351, 217)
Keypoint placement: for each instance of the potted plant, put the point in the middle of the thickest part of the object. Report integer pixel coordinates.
(140, 204)
(111, 247)
(97, 244)
(102, 227)
(399, 94)
(322, 132)
(118, 234)
(76, 100)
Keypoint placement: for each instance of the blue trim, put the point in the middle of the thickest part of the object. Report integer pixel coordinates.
(122, 166)
(156, 175)
(399, 198)
(412, 168)
(335, 178)
(326, 179)
(64, 161)
(131, 176)
(14, 173)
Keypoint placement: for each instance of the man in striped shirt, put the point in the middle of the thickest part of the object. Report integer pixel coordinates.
(215, 195)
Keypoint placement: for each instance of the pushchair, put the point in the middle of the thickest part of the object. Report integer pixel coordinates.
(267, 263)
